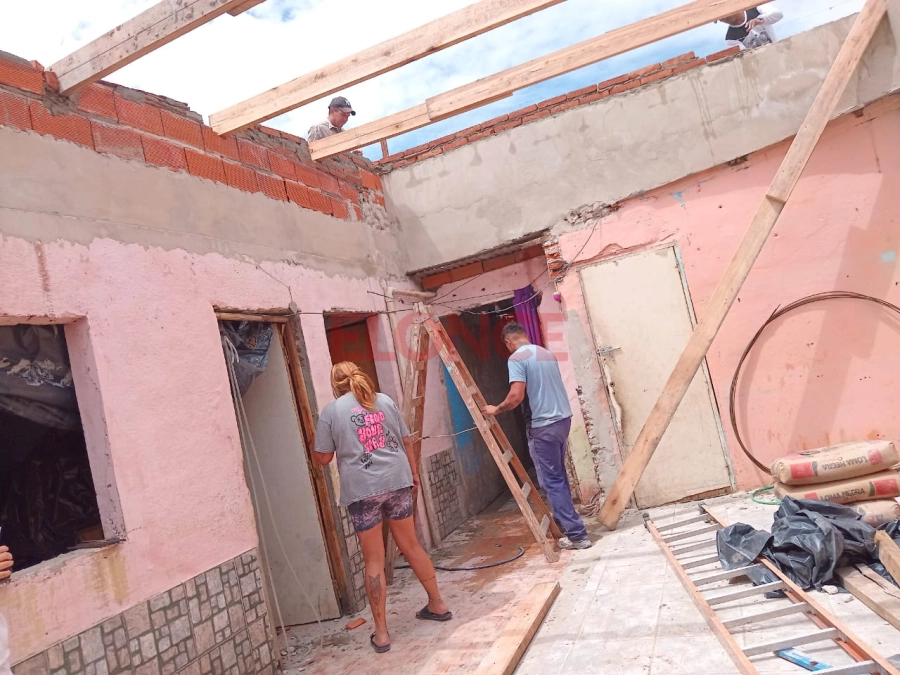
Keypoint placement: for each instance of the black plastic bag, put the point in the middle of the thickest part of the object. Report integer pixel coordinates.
(251, 339)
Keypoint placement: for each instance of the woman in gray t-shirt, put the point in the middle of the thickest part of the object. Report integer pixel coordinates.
(374, 454)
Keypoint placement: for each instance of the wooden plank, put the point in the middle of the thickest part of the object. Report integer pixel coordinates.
(505, 83)
(799, 608)
(888, 553)
(797, 641)
(739, 268)
(140, 35)
(248, 4)
(528, 613)
(264, 318)
(872, 594)
(745, 593)
(411, 46)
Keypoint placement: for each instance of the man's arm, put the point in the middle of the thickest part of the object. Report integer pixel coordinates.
(409, 444)
(515, 396)
(767, 16)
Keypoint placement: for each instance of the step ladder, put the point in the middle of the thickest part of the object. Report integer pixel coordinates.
(536, 513)
(690, 547)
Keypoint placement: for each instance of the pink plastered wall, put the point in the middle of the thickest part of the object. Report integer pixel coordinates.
(828, 372)
(156, 405)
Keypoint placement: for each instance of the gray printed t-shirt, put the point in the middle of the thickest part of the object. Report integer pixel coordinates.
(539, 370)
(371, 458)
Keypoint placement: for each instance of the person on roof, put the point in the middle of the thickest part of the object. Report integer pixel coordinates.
(752, 28)
(339, 111)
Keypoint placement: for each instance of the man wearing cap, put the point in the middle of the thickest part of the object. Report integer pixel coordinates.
(339, 111)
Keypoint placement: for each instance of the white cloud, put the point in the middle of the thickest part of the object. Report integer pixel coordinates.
(233, 58)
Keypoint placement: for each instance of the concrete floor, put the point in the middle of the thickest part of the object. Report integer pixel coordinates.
(621, 611)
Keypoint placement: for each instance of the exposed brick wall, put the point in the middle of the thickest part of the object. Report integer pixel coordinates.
(557, 104)
(160, 132)
(434, 281)
(445, 484)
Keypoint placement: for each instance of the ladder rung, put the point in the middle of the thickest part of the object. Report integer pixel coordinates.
(526, 490)
(672, 526)
(721, 576)
(818, 636)
(700, 562)
(507, 456)
(545, 525)
(692, 533)
(746, 593)
(861, 668)
(693, 547)
(771, 614)
(420, 365)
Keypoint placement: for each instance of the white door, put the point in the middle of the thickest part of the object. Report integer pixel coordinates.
(279, 444)
(641, 322)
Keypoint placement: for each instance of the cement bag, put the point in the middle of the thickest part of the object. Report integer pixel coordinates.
(878, 512)
(836, 462)
(877, 486)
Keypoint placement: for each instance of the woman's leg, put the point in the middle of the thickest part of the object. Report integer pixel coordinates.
(404, 532)
(372, 545)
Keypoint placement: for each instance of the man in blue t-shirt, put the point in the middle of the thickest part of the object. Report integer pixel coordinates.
(534, 371)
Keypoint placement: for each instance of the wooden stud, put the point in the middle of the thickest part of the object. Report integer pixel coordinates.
(248, 4)
(888, 554)
(873, 591)
(750, 247)
(239, 316)
(382, 58)
(140, 35)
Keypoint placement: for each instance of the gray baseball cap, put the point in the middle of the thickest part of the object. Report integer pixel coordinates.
(342, 104)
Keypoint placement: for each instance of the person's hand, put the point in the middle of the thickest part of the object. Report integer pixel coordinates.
(415, 482)
(491, 410)
(753, 23)
(6, 563)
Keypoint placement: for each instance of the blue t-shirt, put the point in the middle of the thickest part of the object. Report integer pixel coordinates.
(539, 370)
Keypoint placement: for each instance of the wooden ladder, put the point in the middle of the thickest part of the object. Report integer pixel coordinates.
(690, 547)
(536, 513)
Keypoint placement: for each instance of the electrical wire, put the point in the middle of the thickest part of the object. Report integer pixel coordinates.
(778, 313)
(473, 568)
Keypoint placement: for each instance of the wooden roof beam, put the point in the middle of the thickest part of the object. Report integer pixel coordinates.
(447, 31)
(505, 83)
(140, 35)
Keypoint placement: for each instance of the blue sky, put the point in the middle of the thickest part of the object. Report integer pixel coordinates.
(233, 58)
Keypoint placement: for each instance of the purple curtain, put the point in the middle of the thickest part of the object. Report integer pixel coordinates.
(526, 302)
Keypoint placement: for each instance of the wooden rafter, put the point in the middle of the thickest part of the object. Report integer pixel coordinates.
(505, 83)
(748, 251)
(137, 37)
(445, 32)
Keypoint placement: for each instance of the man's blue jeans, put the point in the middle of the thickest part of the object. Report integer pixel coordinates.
(547, 446)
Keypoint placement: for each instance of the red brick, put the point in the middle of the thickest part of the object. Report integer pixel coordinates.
(516, 114)
(97, 99)
(163, 153)
(468, 131)
(403, 162)
(307, 176)
(417, 149)
(371, 181)
(221, 145)
(644, 71)
(458, 143)
(51, 81)
(509, 125)
(578, 93)
(590, 98)
(628, 86)
(299, 194)
(340, 209)
(329, 183)
(182, 129)
(431, 153)
(566, 106)
(688, 66)
(139, 115)
(466, 271)
(119, 141)
(661, 75)
(68, 127)
(379, 199)
(535, 116)
(253, 154)
(21, 77)
(442, 140)
(290, 137)
(436, 281)
(319, 202)
(14, 111)
(272, 187)
(609, 84)
(480, 135)
(725, 53)
(497, 263)
(204, 166)
(241, 177)
(282, 166)
(678, 60)
(532, 252)
(349, 192)
(269, 131)
(550, 102)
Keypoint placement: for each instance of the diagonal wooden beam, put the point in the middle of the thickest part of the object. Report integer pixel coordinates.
(445, 32)
(140, 35)
(243, 7)
(505, 83)
(748, 251)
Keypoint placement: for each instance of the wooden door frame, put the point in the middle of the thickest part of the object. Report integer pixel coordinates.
(290, 333)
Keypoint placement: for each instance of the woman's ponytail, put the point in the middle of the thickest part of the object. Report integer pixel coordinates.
(347, 376)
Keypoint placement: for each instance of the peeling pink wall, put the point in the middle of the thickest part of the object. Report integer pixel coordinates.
(829, 372)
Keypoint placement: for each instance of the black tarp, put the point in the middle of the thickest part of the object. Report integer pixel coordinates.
(809, 540)
(252, 340)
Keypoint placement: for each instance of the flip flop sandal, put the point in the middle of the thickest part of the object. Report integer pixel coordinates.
(382, 649)
(424, 613)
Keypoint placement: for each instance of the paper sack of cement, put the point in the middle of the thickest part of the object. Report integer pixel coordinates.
(878, 512)
(877, 486)
(836, 462)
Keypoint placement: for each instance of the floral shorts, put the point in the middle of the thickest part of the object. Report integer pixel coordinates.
(369, 512)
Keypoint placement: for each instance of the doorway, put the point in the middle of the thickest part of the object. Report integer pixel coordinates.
(641, 319)
(300, 581)
(349, 340)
